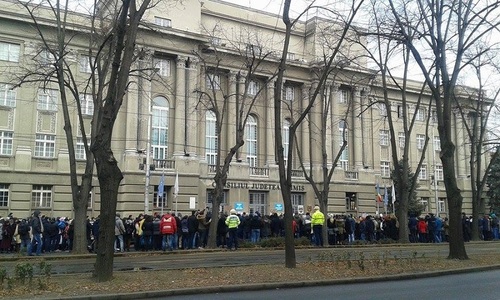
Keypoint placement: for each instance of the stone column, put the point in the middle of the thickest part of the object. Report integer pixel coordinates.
(270, 141)
(334, 121)
(192, 139)
(365, 127)
(231, 111)
(357, 143)
(180, 106)
(315, 127)
(306, 137)
(463, 152)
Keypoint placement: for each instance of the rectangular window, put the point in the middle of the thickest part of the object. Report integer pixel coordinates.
(289, 93)
(210, 200)
(439, 173)
(384, 137)
(297, 201)
(290, 56)
(441, 205)
(253, 88)
(215, 41)
(420, 114)
(422, 175)
(385, 169)
(351, 203)
(163, 22)
(434, 118)
(6, 141)
(87, 104)
(162, 66)
(80, 149)
(212, 81)
(253, 50)
(257, 203)
(437, 143)
(7, 95)
(84, 64)
(47, 99)
(424, 201)
(382, 109)
(45, 145)
(4, 195)
(251, 141)
(9, 51)
(420, 141)
(343, 96)
(401, 139)
(41, 196)
(211, 138)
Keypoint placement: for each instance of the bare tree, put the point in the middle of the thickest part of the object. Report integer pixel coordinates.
(247, 81)
(445, 32)
(53, 67)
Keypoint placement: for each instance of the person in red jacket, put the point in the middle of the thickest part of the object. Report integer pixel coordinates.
(168, 228)
(422, 230)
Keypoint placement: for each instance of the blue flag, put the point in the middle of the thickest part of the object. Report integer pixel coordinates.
(386, 197)
(161, 186)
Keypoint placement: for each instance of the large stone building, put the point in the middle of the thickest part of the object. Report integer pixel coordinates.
(181, 42)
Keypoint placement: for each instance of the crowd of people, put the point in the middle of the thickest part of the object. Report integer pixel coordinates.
(41, 234)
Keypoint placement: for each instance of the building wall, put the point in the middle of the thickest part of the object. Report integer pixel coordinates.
(193, 27)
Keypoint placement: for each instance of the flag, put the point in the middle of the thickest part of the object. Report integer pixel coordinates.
(161, 186)
(393, 193)
(176, 185)
(378, 197)
(386, 196)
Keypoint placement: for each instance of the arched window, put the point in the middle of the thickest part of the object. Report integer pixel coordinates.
(211, 137)
(286, 140)
(344, 157)
(159, 128)
(251, 141)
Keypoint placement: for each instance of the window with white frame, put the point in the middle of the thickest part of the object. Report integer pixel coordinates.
(289, 93)
(251, 141)
(441, 205)
(382, 109)
(87, 104)
(424, 201)
(437, 143)
(7, 95)
(422, 175)
(297, 200)
(343, 96)
(80, 153)
(6, 142)
(385, 169)
(401, 139)
(212, 81)
(344, 156)
(4, 195)
(420, 114)
(9, 51)
(420, 141)
(45, 145)
(384, 137)
(210, 200)
(253, 50)
(286, 139)
(253, 88)
(290, 56)
(439, 172)
(211, 138)
(47, 99)
(215, 41)
(434, 118)
(41, 196)
(85, 64)
(159, 128)
(163, 22)
(162, 66)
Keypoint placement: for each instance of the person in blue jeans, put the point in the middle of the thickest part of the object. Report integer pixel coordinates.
(232, 222)
(37, 230)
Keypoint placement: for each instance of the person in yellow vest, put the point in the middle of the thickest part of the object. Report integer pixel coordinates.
(232, 222)
(317, 221)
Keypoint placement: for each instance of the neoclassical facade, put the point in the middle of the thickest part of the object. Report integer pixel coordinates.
(164, 114)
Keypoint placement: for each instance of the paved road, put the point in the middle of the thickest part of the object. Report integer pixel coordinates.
(476, 285)
(63, 263)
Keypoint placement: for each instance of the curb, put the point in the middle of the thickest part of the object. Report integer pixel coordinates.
(273, 286)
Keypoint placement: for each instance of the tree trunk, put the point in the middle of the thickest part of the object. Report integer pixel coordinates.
(475, 216)
(80, 226)
(290, 259)
(456, 238)
(402, 215)
(110, 177)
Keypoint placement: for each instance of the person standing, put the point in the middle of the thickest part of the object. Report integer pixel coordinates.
(119, 231)
(317, 221)
(168, 228)
(232, 222)
(37, 230)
